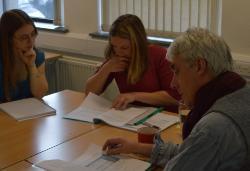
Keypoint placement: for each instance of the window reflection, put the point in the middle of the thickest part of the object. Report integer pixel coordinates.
(42, 9)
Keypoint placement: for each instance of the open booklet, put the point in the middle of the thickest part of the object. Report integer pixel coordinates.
(95, 109)
(94, 160)
(27, 109)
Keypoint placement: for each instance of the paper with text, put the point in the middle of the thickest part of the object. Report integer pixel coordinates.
(94, 160)
(97, 103)
(96, 107)
(161, 120)
(121, 117)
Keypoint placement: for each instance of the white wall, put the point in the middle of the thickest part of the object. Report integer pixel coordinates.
(81, 19)
(81, 15)
(236, 25)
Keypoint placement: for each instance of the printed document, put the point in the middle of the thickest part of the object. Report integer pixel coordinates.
(95, 109)
(94, 160)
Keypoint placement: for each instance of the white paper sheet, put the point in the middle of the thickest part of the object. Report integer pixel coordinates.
(97, 103)
(121, 117)
(96, 108)
(94, 160)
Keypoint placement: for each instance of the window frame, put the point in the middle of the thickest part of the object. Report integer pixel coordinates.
(55, 25)
(214, 23)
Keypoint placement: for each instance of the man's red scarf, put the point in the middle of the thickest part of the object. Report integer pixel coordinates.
(207, 95)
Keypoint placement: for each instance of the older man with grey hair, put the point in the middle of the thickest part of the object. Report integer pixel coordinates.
(216, 134)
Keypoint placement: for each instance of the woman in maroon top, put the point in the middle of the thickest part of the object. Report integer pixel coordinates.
(141, 71)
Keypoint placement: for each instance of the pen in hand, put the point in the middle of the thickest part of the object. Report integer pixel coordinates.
(119, 145)
(111, 148)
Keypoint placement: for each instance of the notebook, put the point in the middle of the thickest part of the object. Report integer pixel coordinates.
(96, 109)
(27, 109)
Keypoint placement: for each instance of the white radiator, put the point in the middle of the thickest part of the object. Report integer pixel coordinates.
(72, 73)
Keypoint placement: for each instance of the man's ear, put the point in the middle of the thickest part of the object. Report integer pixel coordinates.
(201, 66)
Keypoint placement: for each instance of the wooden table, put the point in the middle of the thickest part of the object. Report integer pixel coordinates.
(72, 149)
(22, 140)
(56, 138)
(22, 166)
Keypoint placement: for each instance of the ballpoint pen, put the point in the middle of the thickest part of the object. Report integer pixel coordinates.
(150, 125)
(149, 116)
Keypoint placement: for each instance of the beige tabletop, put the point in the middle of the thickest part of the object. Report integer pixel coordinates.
(72, 149)
(70, 138)
(24, 139)
(22, 166)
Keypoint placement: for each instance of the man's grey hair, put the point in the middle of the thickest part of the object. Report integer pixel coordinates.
(200, 43)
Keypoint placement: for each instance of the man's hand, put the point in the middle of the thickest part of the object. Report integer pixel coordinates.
(119, 145)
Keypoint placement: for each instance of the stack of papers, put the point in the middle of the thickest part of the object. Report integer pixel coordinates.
(94, 160)
(27, 109)
(95, 109)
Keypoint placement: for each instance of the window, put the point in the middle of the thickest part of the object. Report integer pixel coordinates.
(43, 11)
(161, 18)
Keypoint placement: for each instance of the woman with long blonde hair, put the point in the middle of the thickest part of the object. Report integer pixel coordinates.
(141, 70)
